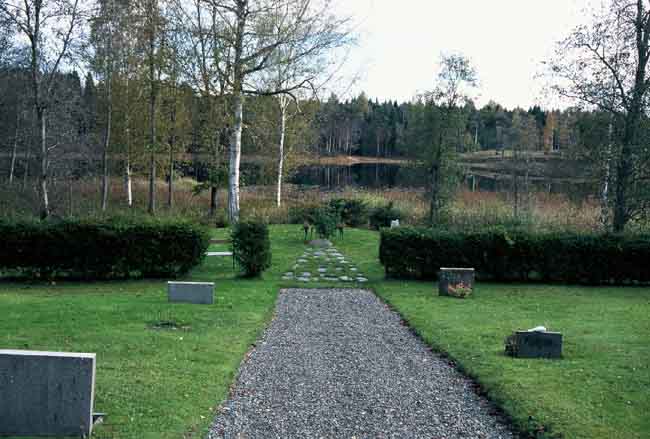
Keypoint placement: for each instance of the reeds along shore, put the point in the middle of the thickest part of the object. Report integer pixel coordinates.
(466, 209)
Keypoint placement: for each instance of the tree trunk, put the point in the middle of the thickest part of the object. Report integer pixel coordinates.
(14, 150)
(283, 126)
(152, 109)
(127, 163)
(107, 142)
(42, 121)
(604, 201)
(26, 167)
(235, 158)
(127, 182)
(170, 186)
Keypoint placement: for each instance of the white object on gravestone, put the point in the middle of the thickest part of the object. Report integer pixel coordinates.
(538, 329)
(394, 223)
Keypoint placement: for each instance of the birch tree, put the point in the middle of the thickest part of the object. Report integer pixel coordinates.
(255, 31)
(604, 66)
(53, 30)
(293, 77)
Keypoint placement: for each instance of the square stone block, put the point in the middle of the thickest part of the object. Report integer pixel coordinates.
(46, 393)
(537, 344)
(201, 293)
(457, 282)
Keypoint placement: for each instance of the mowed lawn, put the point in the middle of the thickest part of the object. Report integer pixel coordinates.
(167, 383)
(152, 383)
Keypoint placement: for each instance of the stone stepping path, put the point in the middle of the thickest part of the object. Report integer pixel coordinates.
(324, 264)
(337, 363)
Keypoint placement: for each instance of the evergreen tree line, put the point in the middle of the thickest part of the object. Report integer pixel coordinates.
(366, 127)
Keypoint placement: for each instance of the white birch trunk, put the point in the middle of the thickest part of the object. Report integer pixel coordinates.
(45, 207)
(283, 127)
(235, 158)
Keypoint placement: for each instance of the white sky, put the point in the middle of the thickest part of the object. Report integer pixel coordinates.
(400, 42)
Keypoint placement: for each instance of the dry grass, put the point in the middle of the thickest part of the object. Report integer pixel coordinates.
(466, 210)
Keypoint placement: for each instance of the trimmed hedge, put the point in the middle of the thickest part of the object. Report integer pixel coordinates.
(101, 249)
(500, 255)
(251, 246)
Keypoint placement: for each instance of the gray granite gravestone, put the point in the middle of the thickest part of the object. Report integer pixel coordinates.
(457, 282)
(46, 393)
(191, 292)
(537, 344)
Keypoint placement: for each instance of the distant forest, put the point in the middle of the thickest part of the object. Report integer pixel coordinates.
(358, 126)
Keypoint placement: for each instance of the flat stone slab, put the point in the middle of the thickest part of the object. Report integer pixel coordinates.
(46, 393)
(218, 254)
(456, 282)
(537, 344)
(201, 293)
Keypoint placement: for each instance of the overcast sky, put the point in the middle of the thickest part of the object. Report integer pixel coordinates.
(400, 42)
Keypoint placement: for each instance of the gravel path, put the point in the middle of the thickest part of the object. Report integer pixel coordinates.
(339, 364)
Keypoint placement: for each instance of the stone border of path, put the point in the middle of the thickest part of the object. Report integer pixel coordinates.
(412, 390)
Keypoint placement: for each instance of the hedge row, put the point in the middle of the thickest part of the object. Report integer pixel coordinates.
(501, 255)
(101, 249)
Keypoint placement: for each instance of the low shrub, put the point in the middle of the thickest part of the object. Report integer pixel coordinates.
(325, 222)
(251, 246)
(502, 255)
(300, 214)
(101, 249)
(382, 216)
(352, 212)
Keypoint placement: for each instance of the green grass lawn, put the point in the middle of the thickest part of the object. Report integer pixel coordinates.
(152, 383)
(156, 383)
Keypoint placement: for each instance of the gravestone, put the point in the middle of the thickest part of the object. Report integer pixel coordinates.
(456, 282)
(535, 343)
(201, 293)
(46, 393)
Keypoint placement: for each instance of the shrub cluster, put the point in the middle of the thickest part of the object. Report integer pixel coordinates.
(101, 249)
(501, 255)
(353, 212)
(251, 246)
(382, 216)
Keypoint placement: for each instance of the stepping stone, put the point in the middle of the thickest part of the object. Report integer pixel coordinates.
(218, 254)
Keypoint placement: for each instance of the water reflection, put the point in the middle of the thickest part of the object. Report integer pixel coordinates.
(386, 176)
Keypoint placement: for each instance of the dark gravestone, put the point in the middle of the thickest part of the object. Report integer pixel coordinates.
(456, 282)
(46, 393)
(536, 344)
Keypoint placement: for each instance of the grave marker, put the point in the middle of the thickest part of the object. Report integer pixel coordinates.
(201, 293)
(46, 393)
